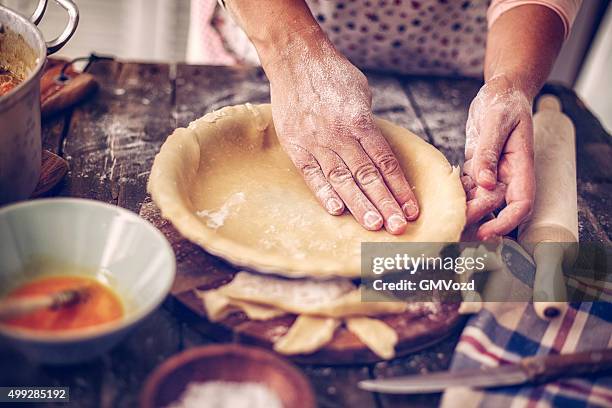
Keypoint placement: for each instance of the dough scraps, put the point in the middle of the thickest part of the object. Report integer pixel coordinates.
(321, 307)
(218, 307)
(307, 335)
(330, 298)
(377, 335)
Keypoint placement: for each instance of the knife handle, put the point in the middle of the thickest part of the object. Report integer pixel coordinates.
(546, 368)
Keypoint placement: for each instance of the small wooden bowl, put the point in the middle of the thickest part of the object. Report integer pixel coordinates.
(227, 362)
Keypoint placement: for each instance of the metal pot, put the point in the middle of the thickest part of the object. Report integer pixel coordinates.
(23, 51)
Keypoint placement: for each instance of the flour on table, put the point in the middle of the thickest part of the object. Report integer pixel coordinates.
(216, 219)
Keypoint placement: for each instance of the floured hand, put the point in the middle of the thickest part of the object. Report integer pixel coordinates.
(321, 107)
(499, 157)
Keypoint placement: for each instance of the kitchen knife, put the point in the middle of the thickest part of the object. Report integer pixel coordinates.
(513, 281)
(534, 370)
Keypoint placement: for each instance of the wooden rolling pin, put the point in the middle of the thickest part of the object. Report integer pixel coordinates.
(551, 233)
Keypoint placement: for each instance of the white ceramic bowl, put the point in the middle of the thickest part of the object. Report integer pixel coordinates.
(112, 244)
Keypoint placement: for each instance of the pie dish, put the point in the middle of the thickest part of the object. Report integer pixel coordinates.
(226, 184)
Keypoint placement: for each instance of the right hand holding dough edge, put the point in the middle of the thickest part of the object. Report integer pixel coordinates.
(499, 163)
(321, 107)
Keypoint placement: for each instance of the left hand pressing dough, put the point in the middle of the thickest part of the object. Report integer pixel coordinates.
(226, 184)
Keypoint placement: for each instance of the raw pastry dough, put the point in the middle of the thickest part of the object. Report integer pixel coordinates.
(377, 335)
(256, 211)
(287, 294)
(218, 307)
(307, 335)
(331, 298)
(321, 307)
(351, 305)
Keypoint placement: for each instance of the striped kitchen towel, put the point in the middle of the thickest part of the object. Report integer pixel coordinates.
(503, 333)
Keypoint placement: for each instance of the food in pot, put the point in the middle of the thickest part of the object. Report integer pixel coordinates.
(17, 60)
(8, 81)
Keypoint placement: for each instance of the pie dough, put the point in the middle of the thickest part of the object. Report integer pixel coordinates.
(307, 335)
(296, 295)
(321, 307)
(374, 333)
(333, 298)
(226, 184)
(219, 306)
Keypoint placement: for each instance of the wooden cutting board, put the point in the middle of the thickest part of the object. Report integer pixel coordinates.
(197, 269)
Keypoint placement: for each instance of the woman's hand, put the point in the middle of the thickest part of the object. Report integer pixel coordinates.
(499, 157)
(321, 106)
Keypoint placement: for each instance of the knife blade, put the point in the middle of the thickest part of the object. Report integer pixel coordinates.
(438, 382)
(513, 281)
(518, 261)
(528, 370)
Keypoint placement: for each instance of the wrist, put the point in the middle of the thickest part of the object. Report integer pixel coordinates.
(519, 80)
(295, 51)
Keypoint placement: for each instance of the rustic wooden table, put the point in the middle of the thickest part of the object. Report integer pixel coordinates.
(110, 142)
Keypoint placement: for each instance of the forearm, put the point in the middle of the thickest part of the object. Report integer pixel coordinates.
(277, 27)
(522, 45)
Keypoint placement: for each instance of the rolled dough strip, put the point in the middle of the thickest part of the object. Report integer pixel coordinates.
(307, 335)
(258, 312)
(337, 298)
(294, 295)
(352, 305)
(377, 335)
(218, 307)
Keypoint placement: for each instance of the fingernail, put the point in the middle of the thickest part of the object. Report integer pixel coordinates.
(411, 209)
(396, 222)
(333, 205)
(372, 220)
(487, 176)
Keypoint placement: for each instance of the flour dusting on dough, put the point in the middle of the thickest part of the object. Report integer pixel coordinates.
(214, 116)
(302, 293)
(216, 219)
(261, 123)
(278, 236)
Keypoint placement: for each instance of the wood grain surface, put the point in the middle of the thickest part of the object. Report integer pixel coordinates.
(110, 141)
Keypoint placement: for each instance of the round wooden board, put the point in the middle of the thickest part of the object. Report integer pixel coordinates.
(417, 329)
